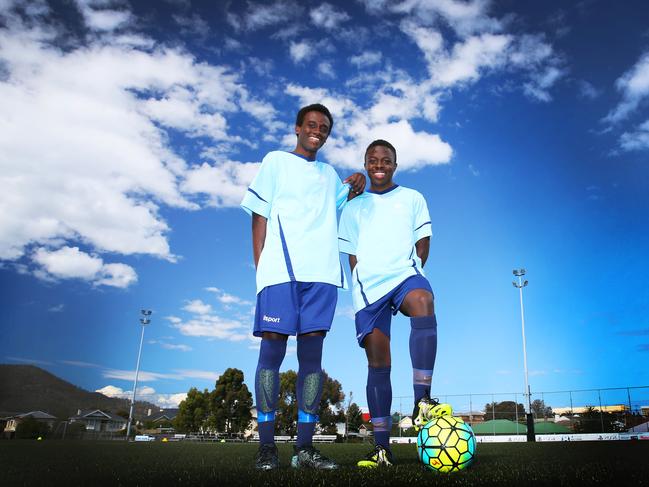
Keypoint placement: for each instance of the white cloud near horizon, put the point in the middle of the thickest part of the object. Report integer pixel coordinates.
(145, 376)
(145, 393)
(171, 346)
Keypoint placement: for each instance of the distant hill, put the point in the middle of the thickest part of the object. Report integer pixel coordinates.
(26, 388)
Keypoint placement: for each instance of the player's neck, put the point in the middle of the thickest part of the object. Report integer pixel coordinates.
(383, 188)
(309, 155)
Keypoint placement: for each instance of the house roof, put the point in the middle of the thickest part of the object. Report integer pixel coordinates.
(35, 415)
(168, 414)
(97, 414)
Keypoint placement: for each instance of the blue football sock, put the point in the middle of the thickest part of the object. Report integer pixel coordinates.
(309, 386)
(423, 350)
(271, 355)
(379, 400)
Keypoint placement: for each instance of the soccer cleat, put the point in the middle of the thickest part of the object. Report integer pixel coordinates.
(379, 457)
(427, 409)
(267, 458)
(309, 457)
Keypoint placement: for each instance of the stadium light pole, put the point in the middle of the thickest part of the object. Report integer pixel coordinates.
(145, 321)
(519, 273)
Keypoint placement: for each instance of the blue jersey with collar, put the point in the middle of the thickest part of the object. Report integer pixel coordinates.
(299, 198)
(381, 230)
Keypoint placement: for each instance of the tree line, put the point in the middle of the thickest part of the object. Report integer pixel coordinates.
(227, 408)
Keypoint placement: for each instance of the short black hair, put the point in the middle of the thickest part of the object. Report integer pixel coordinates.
(383, 143)
(316, 107)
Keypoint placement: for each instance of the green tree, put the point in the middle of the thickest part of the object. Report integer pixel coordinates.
(540, 410)
(30, 428)
(354, 417)
(594, 421)
(505, 410)
(330, 411)
(285, 420)
(230, 403)
(193, 411)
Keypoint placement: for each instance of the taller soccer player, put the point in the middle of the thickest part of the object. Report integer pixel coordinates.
(386, 232)
(293, 202)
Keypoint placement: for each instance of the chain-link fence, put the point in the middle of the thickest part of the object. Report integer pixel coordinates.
(580, 410)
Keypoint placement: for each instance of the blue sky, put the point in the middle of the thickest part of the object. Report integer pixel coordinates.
(130, 130)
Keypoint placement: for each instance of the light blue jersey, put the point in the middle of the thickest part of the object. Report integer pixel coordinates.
(381, 230)
(300, 199)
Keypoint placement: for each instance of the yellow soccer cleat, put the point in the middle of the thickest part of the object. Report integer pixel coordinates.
(379, 457)
(427, 409)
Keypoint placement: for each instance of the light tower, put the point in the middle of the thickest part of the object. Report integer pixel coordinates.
(145, 321)
(519, 273)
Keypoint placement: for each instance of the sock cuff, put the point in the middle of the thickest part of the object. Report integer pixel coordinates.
(265, 417)
(422, 377)
(420, 322)
(304, 417)
(379, 370)
(383, 423)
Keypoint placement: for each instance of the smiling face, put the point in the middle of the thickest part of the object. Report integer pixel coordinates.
(312, 134)
(380, 166)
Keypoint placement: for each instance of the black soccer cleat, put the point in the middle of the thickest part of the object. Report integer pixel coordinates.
(267, 458)
(309, 457)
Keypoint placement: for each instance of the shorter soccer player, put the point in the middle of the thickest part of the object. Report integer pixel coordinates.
(386, 232)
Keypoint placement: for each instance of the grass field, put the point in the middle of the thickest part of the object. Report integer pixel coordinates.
(76, 463)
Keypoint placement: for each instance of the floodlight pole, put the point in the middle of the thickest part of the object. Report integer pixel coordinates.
(145, 321)
(519, 273)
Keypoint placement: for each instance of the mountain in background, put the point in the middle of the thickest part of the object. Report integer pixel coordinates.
(25, 388)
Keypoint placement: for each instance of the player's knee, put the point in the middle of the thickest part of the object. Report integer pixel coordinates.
(421, 303)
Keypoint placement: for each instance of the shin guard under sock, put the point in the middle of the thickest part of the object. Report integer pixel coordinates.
(379, 401)
(423, 350)
(309, 386)
(271, 355)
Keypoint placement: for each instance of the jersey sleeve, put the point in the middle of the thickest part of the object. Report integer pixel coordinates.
(348, 231)
(259, 195)
(422, 225)
(342, 191)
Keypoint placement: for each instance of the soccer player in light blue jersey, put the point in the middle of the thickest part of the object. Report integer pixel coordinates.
(386, 233)
(293, 201)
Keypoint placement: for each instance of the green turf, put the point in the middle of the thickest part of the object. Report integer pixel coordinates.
(115, 463)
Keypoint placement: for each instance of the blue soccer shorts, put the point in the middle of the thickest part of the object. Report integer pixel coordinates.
(379, 314)
(295, 308)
